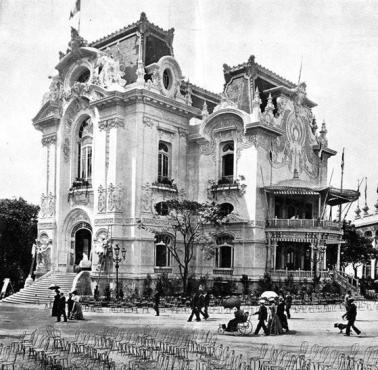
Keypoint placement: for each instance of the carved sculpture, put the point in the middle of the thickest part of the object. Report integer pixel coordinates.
(43, 250)
(108, 73)
(47, 205)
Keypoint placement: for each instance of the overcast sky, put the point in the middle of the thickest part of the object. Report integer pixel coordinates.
(338, 41)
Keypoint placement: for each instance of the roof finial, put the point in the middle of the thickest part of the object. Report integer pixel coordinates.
(143, 17)
(205, 112)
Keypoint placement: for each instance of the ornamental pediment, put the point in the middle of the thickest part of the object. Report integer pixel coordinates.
(49, 114)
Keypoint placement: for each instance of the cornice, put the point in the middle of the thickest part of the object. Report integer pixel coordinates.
(141, 95)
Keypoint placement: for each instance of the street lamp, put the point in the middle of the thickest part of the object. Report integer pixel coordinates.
(117, 259)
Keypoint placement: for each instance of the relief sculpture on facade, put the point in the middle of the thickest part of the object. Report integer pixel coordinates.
(108, 73)
(47, 206)
(110, 199)
(42, 249)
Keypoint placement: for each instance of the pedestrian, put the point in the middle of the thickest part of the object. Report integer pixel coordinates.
(120, 294)
(351, 315)
(70, 303)
(77, 311)
(96, 293)
(346, 298)
(288, 303)
(281, 314)
(239, 318)
(201, 304)
(262, 317)
(194, 304)
(274, 323)
(157, 302)
(206, 304)
(62, 308)
(55, 307)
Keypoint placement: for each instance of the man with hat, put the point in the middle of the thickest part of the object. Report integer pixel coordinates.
(62, 307)
(263, 315)
(351, 315)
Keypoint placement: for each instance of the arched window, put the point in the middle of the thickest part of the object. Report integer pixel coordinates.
(162, 254)
(164, 162)
(224, 256)
(227, 157)
(226, 209)
(84, 163)
(161, 208)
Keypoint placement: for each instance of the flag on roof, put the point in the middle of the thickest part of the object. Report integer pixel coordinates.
(75, 9)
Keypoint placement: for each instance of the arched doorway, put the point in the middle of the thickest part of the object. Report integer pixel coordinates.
(82, 238)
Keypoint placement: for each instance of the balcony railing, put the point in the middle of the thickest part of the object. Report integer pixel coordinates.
(300, 274)
(223, 271)
(278, 223)
(165, 183)
(80, 184)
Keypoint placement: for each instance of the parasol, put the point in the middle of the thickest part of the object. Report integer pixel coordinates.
(269, 294)
(54, 286)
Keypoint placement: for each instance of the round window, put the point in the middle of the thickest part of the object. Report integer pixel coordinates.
(82, 75)
(167, 79)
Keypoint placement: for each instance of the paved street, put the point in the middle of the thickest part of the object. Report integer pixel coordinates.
(312, 327)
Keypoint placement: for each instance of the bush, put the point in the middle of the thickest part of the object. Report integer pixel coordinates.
(265, 283)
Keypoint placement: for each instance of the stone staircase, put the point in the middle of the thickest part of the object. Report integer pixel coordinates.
(347, 282)
(39, 292)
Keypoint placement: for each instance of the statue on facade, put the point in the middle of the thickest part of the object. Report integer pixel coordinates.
(108, 73)
(43, 250)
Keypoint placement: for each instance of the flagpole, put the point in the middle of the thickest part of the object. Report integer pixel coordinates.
(342, 178)
(78, 25)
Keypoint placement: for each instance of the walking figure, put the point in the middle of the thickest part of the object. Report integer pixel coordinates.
(70, 304)
(194, 304)
(263, 316)
(157, 302)
(351, 315)
(288, 302)
(62, 308)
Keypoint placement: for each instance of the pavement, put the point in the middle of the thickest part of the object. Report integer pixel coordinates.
(314, 327)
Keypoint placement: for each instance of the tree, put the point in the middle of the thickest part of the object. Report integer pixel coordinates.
(188, 224)
(357, 249)
(18, 231)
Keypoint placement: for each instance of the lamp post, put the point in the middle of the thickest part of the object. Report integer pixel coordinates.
(117, 259)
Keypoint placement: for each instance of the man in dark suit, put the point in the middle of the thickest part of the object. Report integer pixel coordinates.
(194, 304)
(288, 302)
(157, 302)
(62, 308)
(263, 315)
(351, 315)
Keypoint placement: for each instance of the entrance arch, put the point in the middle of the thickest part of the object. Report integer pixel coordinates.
(82, 238)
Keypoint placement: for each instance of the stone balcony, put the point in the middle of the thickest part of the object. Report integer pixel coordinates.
(302, 224)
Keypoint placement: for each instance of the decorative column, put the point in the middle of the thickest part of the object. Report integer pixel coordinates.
(338, 257)
(274, 254)
(312, 256)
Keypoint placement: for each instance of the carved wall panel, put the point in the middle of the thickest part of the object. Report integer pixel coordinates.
(111, 199)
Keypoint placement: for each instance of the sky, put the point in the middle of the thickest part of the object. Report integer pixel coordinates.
(337, 41)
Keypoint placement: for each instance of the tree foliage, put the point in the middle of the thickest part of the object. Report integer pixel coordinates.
(188, 224)
(18, 230)
(357, 250)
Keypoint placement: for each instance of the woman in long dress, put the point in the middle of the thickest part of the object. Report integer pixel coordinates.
(77, 312)
(274, 323)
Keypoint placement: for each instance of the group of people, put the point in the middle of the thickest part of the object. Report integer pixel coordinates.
(200, 304)
(271, 316)
(75, 311)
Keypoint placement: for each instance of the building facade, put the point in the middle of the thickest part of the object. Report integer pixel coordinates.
(123, 132)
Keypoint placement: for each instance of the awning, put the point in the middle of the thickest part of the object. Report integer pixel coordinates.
(334, 196)
(340, 196)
